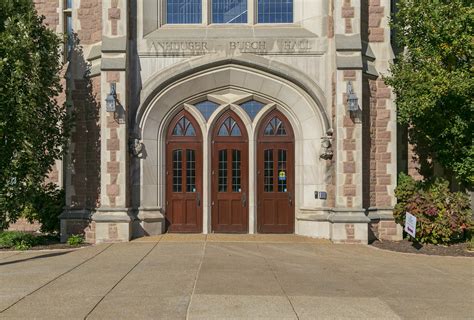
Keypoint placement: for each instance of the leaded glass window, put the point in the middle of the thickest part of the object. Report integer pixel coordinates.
(229, 128)
(252, 107)
(177, 170)
(184, 128)
(236, 171)
(282, 171)
(206, 108)
(268, 170)
(275, 11)
(222, 173)
(190, 170)
(183, 11)
(275, 127)
(229, 11)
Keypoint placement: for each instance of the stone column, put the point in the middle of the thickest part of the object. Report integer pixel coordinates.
(383, 168)
(113, 218)
(349, 222)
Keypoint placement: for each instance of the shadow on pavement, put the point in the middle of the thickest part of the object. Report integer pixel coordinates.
(49, 255)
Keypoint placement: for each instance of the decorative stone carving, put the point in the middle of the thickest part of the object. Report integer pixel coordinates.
(326, 145)
(136, 148)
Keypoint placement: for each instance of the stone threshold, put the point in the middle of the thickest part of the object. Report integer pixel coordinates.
(251, 238)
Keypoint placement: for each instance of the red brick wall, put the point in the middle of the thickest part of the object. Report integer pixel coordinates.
(90, 16)
(385, 230)
(348, 13)
(378, 136)
(85, 141)
(413, 164)
(23, 225)
(49, 9)
(376, 33)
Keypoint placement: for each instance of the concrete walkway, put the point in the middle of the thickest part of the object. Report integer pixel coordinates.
(233, 277)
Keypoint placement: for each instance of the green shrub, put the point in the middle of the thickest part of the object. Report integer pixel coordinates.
(17, 240)
(23, 245)
(443, 217)
(75, 240)
(45, 206)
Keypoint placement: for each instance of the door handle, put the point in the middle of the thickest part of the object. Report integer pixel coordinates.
(244, 200)
(198, 199)
(290, 199)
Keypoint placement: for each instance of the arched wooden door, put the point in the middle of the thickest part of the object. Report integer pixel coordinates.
(184, 175)
(276, 175)
(229, 175)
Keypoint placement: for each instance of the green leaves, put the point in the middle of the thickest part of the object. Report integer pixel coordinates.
(32, 131)
(443, 217)
(433, 80)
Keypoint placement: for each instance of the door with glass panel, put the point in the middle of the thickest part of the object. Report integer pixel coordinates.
(229, 206)
(275, 175)
(184, 175)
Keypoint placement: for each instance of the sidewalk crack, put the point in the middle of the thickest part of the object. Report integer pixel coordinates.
(269, 265)
(121, 279)
(55, 278)
(196, 278)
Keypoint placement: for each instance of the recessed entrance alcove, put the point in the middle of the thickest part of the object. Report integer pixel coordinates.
(232, 109)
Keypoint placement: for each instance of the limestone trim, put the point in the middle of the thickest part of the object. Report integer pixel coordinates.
(348, 42)
(284, 73)
(115, 44)
(118, 64)
(380, 213)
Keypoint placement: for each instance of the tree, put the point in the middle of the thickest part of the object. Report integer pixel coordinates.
(433, 81)
(32, 123)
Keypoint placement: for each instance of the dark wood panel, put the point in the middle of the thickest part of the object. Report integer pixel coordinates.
(183, 211)
(275, 200)
(229, 207)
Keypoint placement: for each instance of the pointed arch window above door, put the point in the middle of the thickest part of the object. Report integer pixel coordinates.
(184, 128)
(275, 127)
(229, 128)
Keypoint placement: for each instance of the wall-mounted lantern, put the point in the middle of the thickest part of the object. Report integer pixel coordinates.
(111, 100)
(352, 100)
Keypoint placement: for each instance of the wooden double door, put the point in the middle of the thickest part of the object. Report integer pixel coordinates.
(229, 175)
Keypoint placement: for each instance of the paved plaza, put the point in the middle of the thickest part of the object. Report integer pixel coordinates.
(233, 277)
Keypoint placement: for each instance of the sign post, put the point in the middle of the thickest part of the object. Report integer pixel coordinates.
(410, 224)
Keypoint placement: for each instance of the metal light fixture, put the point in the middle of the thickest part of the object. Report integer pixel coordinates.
(110, 101)
(352, 100)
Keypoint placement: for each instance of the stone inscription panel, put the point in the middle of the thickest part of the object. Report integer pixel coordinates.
(297, 46)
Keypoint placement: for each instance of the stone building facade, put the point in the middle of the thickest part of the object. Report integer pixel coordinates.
(230, 116)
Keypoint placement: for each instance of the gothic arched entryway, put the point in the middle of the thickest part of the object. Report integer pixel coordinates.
(275, 175)
(229, 207)
(184, 174)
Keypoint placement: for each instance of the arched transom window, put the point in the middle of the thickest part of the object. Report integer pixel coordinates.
(184, 128)
(275, 127)
(229, 128)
